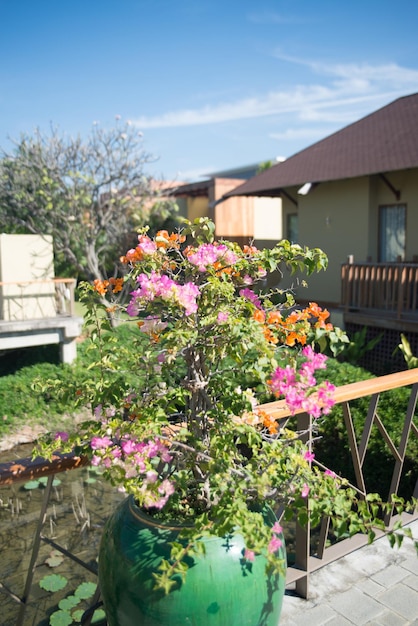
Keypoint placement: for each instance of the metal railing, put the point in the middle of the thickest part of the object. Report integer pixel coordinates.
(388, 287)
(35, 299)
(305, 563)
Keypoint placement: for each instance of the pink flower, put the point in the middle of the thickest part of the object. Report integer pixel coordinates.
(305, 490)
(187, 295)
(275, 544)
(152, 476)
(100, 443)
(146, 244)
(222, 317)
(249, 555)
(204, 256)
(276, 528)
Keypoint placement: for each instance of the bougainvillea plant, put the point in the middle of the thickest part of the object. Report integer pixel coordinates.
(177, 420)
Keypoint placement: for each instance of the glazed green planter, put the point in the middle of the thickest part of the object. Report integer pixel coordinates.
(220, 589)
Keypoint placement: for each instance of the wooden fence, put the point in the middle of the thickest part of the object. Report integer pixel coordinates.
(388, 287)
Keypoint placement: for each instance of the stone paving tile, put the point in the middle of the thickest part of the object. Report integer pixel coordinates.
(411, 581)
(401, 599)
(356, 606)
(336, 621)
(389, 619)
(411, 564)
(389, 576)
(369, 587)
(318, 616)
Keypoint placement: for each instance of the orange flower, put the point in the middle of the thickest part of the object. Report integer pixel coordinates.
(268, 422)
(274, 317)
(249, 250)
(132, 256)
(164, 240)
(294, 337)
(117, 284)
(269, 335)
(100, 286)
(259, 316)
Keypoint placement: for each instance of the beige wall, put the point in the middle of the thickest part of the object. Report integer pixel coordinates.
(26, 258)
(334, 217)
(197, 207)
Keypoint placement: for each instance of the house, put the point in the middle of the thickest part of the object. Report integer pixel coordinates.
(354, 194)
(241, 219)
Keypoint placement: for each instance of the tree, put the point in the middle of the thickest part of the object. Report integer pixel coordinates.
(90, 195)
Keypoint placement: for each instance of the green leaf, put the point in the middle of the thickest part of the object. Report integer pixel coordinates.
(98, 616)
(32, 484)
(60, 618)
(44, 479)
(68, 603)
(85, 590)
(77, 615)
(53, 582)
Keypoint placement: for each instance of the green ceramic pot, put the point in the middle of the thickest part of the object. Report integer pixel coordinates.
(220, 590)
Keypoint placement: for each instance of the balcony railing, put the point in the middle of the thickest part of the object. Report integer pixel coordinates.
(391, 288)
(37, 299)
(305, 563)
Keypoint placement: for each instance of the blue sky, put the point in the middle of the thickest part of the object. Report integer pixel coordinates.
(211, 84)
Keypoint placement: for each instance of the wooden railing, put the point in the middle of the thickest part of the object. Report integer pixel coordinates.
(305, 563)
(34, 299)
(386, 287)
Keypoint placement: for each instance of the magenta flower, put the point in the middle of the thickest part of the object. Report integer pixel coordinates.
(305, 490)
(62, 436)
(309, 456)
(129, 446)
(251, 296)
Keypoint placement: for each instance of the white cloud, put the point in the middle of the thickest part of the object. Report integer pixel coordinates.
(291, 134)
(353, 86)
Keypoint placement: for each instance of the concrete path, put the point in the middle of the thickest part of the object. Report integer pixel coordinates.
(373, 586)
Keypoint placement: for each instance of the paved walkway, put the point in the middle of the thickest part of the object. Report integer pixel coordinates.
(373, 586)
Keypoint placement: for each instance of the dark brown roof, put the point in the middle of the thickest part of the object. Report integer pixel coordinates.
(192, 189)
(384, 141)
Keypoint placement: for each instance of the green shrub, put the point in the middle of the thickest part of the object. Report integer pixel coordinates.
(46, 391)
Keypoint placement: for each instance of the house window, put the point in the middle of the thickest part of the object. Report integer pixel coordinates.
(292, 230)
(392, 230)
